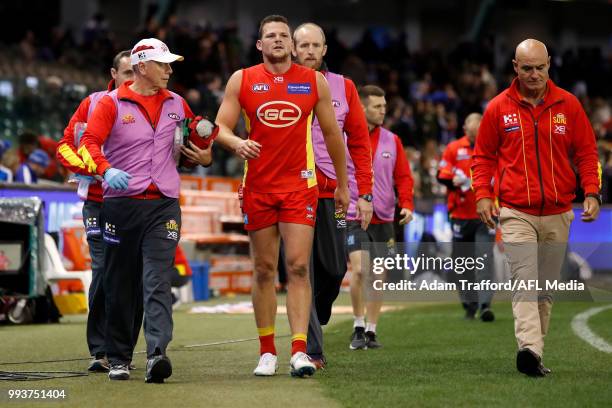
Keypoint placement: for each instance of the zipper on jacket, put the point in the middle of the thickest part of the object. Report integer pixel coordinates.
(535, 125)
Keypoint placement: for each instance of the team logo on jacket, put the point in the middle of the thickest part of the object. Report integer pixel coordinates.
(386, 155)
(260, 88)
(336, 103)
(127, 119)
(559, 119)
(279, 114)
(174, 116)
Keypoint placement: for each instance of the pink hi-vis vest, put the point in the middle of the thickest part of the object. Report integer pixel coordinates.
(383, 165)
(338, 93)
(137, 148)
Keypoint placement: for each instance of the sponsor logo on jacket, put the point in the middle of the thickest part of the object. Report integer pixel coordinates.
(127, 119)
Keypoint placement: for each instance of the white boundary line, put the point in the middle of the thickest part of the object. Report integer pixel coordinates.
(581, 328)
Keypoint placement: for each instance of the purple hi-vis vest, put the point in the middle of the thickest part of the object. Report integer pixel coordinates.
(383, 165)
(135, 147)
(338, 92)
(79, 129)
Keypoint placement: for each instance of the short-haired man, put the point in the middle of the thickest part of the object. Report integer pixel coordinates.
(391, 171)
(328, 265)
(280, 192)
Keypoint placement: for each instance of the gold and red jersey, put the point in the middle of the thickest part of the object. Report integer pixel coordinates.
(278, 113)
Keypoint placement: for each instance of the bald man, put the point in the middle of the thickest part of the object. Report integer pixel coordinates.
(471, 238)
(328, 254)
(531, 135)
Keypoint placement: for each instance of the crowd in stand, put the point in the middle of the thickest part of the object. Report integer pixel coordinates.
(429, 92)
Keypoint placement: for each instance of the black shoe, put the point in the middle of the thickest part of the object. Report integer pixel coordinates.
(158, 369)
(487, 315)
(99, 364)
(545, 370)
(528, 362)
(371, 342)
(358, 339)
(470, 310)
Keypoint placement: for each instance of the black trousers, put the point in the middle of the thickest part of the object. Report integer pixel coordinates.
(140, 243)
(472, 238)
(327, 269)
(96, 318)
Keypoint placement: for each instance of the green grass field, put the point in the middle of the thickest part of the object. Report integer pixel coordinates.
(431, 357)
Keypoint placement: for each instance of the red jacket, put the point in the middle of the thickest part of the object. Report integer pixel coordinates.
(533, 149)
(458, 156)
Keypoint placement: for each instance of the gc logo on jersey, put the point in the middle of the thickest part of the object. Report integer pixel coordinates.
(279, 114)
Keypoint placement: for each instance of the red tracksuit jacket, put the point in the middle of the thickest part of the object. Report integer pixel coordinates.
(532, 149)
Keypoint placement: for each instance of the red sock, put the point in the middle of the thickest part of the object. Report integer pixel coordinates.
(298, 343)
(266, 340)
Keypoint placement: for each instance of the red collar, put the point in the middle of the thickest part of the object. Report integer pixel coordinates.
(124, 92)
(552, 92)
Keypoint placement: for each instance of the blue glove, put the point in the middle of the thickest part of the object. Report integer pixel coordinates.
(117, 179)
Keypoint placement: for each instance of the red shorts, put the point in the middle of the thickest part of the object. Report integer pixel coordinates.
(261, 210)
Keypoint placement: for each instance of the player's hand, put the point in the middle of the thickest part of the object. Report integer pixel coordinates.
(247, 149)
(486, 210)
(364, 212)
(457, 181)
(591, 209)
(202, 157)
(117, 179)
(406, 214)
(341, 198)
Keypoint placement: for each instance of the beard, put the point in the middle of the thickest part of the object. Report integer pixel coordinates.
(278, 58)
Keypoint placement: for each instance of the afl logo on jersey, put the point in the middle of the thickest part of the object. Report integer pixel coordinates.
(260, 88)
(279, 114)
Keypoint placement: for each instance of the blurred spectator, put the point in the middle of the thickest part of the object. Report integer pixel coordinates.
(33, 168)
(6, 174)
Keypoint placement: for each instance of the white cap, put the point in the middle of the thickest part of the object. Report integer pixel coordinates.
(151, 49)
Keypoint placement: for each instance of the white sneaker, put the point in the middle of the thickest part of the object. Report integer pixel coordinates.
(301, 365)
(267, 365)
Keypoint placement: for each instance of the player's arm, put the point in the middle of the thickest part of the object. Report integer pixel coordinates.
(227, 118)
(333, 140)
(66, 151)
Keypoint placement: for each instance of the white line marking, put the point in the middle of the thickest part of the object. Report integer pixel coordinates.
(581, 328)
